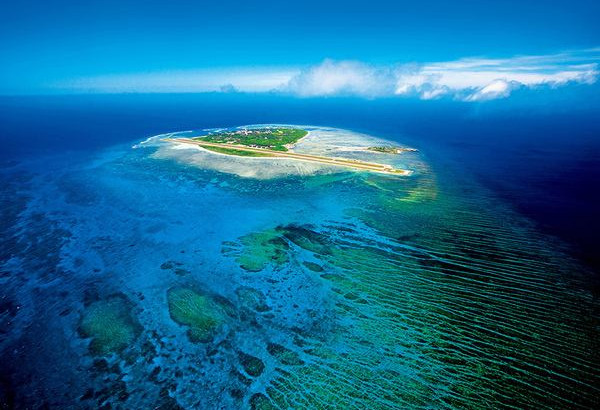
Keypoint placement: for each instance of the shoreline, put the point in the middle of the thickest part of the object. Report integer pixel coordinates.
(340, 162)
(290, 147)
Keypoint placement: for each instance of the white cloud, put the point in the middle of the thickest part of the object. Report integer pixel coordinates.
(433, 93)
(341, 78)
(477, 79)
(467, 79)
(495, 89)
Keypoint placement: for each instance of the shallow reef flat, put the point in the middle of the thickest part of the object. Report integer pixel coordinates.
(143, 279)
(325, 151)
(449, 326)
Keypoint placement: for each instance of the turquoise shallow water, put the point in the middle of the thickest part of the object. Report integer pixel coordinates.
(140, 277)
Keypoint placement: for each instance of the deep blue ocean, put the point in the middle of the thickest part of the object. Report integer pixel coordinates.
(73, 193)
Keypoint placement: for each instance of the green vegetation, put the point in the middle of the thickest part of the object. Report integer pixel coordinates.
(269, 138)
(233, 151)
(110, 325)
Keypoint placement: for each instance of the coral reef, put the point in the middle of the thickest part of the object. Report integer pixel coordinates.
(110, 324)
(315, 267)
(259, 250)
(388, 353)
(252, 299)
(203, 314)
(284, 355)
(261, 402)
(251, 364)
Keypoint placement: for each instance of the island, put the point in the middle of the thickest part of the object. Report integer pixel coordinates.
(275, 139)
(275, 142)
(391, 150)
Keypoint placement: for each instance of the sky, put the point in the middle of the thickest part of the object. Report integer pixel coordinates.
(467, 50)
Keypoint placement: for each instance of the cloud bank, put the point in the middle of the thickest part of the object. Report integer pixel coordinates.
(468, 79)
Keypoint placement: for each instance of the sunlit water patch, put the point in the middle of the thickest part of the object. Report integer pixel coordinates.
(156, 278)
